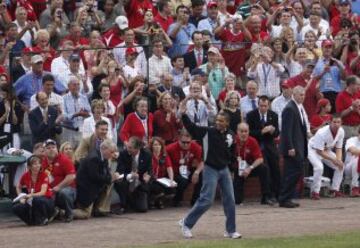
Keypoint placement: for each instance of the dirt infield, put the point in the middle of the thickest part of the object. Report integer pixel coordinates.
(160, 226)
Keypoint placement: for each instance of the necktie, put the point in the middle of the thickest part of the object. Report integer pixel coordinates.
(263, 119)
(303, 117)
(134, 182)
(97, 144)
(198, 59)
(196, 117)
(253, 104)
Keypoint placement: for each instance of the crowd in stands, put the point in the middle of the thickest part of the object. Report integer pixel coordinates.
(97, 85)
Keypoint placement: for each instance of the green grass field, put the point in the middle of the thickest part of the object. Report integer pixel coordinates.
(342, 240)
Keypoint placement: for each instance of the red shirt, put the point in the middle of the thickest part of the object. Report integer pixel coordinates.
(335, 23)
(234, 51)
(312, 94)
(133, 126)
(343, 101)
(167, 130)
(116, 92)
(163, 22)
(42, 179)
(159, 166)
(317, 120)
(59, 169)
(222, 94)
(135, 11)
(112, 38)
(176, 153)
(49, 55)
(249, 151)
(264, 36)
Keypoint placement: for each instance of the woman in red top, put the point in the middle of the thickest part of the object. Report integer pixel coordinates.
(161, 168)
(115, 80)
(166, 125)
(36, 207)
(323, 117)
(138, 123)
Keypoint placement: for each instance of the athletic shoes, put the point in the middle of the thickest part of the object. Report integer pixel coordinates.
(315, 196)
(355, 192)
(336, 193)
(234, 235)
(186, 232)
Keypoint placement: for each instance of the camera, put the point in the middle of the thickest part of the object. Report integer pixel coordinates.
(90, 9)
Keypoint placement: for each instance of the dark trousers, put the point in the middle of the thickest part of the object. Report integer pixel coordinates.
(137, 199)
(158, 191)
(65, 199)
(331, 96)
(293, 170)
(182, 184)
(41, 209)
(260, 171)
(271, 159)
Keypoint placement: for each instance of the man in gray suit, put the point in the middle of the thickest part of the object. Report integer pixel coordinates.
(293, 146)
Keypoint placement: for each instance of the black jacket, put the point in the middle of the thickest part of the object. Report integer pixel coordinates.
(253, 118)
(190, 59)
(221, 146)
(41, 131)
(144, 163)
(293, 132)
(91, 178)
(175, 92)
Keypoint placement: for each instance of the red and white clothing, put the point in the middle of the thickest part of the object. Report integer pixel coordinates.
(325, 140)
(163, 22)
(317, 121)
(135, 11)
(48, 56)
(249, 150)
(41, 179)
(112, 38)
(180, 156)
(167, 130)
(160, 166)
(343, 101)
(58, 169)
(136, 126)
(352, 162)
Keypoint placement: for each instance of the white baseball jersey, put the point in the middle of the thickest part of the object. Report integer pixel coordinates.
(352, 142)
(324, 140)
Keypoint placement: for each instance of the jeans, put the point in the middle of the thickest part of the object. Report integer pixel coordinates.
(65, 199)
(210, 179)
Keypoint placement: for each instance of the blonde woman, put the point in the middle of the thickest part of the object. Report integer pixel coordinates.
(232, 107)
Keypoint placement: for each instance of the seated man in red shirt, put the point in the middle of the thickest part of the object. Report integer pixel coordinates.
(186, 158)
(61, 171)
(250, 162)
(348, 106)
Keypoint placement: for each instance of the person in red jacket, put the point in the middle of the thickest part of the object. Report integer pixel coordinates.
(138, 123)
(166, 124)
(36, 207)
(135, 11)
(323, 117)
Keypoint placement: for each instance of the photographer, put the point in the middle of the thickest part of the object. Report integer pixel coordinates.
(46, 16)
(26, 28)
(89, 17)
(57, 27)
(351, 53)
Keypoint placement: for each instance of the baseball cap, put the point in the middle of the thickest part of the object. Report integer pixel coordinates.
(131, 51)
(122, 22)
(322, 103)
(237, 17)
(36, 59)
(27, 51)
(309, 62)
(327, 43)
(344, 2)
(74, 56)
(198, 71)
(285, 85)
(212, 4)
(213, 50)
(50, 142)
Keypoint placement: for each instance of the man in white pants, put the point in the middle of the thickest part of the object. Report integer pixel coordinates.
(352, 149)
(321, 151)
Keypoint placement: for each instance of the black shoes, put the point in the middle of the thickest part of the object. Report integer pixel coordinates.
(289, 204)
(268, 201)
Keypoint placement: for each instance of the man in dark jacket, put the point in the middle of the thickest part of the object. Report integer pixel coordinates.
(134, 164)
(92, 180)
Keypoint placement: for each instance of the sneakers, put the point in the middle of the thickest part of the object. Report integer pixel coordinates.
(54, 215)
(234, 235)
(186, 232)
(315, 196)
(336, 193)
(355, 192)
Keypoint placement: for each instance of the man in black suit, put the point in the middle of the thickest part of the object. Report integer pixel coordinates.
(134, 163)
(167, 85)
(198, 55)
(44, 120)
(293, 146)
(93, 180)
(264, 127)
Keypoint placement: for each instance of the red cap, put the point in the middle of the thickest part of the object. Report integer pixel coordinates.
(212, 4)
(130, 51)
(322, 103)
(327, 43)
(285, 85)
(27, 50)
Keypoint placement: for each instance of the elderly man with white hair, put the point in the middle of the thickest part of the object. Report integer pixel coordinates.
(76, 109)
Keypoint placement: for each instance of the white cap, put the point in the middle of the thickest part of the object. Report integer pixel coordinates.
(122, 22)
(214, 50)
(237, 17)
(36, 59)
